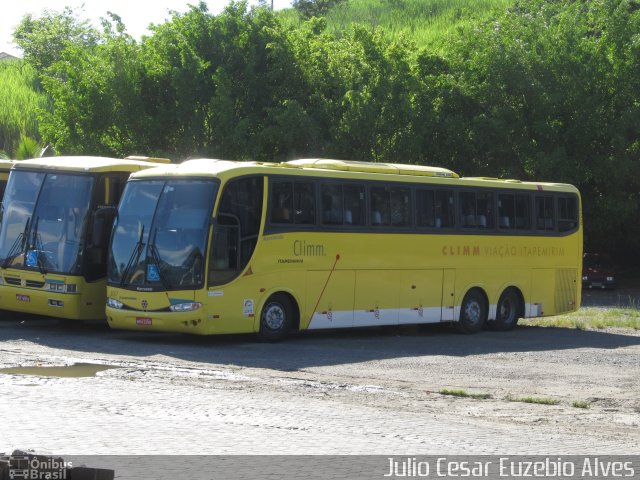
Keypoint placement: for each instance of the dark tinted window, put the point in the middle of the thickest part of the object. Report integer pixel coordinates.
(544, 213)
(434, 208)
(390, 206)
(342, 204)
(514, 212)
(476, 210)
(567, 213)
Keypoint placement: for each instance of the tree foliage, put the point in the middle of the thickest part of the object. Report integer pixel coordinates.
(544, 91)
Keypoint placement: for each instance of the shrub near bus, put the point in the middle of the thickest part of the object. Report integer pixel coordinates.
(212, 247)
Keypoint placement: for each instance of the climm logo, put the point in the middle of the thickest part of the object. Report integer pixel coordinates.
(303, 249)
(461, 250)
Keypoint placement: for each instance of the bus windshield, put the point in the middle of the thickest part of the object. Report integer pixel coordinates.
(160, 235)
(43, 224)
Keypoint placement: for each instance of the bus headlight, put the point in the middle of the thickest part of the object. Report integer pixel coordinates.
(60, 287)
(185, 307)
(113, 303)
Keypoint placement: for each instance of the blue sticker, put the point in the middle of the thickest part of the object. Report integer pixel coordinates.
(32, 258)
(153, 275)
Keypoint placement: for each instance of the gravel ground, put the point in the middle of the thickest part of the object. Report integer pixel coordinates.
(372, 391)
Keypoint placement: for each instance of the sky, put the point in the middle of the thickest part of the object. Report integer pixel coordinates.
(136, 14)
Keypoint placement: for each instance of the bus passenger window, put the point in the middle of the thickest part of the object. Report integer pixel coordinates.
(485, 210)
(567, 213)
(468, 209)
(304, 199)
(444, 211)
(425, 208)
(282, 202)
(354, 205)
(544, 213)
(390, 206)
(506, 211)
(523, 212)
(332, 211)
(477, 210)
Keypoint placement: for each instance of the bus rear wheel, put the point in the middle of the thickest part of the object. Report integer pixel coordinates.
(473, 312)
(275, 319)
(508, 311)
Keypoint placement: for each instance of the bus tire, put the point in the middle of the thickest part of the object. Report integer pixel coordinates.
(275, 319)
(508, 311)
(473, 312)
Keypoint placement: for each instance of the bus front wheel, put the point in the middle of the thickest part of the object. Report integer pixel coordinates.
(275, 319)
(473, 312)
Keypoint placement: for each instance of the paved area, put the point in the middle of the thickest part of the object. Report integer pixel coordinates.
(375, 391)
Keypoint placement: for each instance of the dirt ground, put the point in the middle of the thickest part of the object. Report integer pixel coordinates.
(396, 373)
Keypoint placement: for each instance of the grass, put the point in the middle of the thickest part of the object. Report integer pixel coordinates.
(591, 318)
(464, 394)
(427, 22)
(581, 404)
(19, 103)
(536, 400)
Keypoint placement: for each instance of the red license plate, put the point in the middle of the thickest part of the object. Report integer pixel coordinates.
(143, 321)
(22, 298)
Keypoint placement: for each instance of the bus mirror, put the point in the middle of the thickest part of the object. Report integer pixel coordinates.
(102, 222)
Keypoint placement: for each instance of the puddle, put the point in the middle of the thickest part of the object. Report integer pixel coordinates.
(77, 370)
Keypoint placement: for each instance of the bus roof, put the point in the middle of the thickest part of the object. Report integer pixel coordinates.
(84, 164)
(327, 168)
(5, 165)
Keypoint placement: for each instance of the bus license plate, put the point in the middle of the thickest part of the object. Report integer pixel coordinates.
(22, 298)
(143, 321)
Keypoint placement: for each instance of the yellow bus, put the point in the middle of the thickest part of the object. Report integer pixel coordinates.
(210, 247)
(56, 219)
(5, 167)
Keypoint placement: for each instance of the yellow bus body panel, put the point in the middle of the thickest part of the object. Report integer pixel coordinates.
(422, 279)
(28, 293)
(351, 279)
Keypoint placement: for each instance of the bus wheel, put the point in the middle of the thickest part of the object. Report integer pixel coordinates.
(508, 311)
(473, 312)
(275, 319)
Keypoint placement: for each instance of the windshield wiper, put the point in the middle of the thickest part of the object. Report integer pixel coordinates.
(155, 256)
(18, 246)
(135, 256)
(36, 245)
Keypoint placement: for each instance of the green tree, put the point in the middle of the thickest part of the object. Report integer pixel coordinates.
(555, 94)
(96, 91)
(43, 39)
(314, 8)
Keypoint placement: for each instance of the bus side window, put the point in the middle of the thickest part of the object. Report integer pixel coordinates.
(304, 203)
(281, 202)
(354, 205)
(390, 206)
(523, 212)
(567, 213)
(425, 208)
(506, 211)
(236, 229)
(444, 209)
(544, 213)
(332, 204)
(468, 209)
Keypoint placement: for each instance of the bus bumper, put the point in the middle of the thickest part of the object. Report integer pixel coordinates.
(179, 322)
(40, 302)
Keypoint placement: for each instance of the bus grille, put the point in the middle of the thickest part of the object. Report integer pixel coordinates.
(29, 283)
(565, 290)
